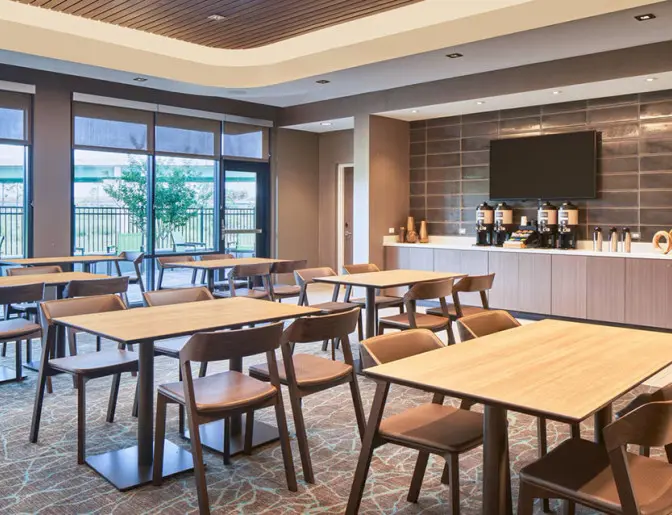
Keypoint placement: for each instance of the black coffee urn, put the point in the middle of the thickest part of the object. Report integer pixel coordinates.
(547, 224)
(485, 219)
(503, 224)
(568, 224)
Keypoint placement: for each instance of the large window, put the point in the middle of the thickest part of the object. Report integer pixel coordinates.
(14, 145)
(245, 141)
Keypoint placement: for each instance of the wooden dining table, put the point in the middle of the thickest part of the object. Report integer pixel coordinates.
(85, 261)
(211, 266)
(563, 371)
(374, 281)
(132, 467)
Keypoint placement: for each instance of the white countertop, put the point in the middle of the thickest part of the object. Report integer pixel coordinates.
(639, 250)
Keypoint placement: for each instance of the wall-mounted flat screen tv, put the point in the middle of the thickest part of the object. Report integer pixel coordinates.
(556, 166)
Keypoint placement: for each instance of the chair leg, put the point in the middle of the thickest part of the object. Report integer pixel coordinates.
(159, 440)
(29, 350)
(454, 467)
(227, 442)
(203, 277)
(451, 334)
(525, 499)
(360, 327)
(568, 507)
(180, 409)
(359, 408)
(285, 447)
(249, 432)
(576, 430)
(199, 466)
(81, 420)
(37, 407)
(325, 345)
(418, 476)
(644, 451)
(542, 446)
(202, 370)
(134, 411)
(381, 329)
(98, 344)
(18, 361)
(114, 395)
(302, 437)
(193, 276)
(4, 350)
(445, 475)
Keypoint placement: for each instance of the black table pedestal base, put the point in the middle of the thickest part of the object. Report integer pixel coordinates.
(212, 436)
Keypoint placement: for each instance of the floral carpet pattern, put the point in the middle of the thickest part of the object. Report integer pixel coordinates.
(44, 478)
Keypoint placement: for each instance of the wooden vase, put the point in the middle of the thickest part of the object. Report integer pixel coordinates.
(423, 236)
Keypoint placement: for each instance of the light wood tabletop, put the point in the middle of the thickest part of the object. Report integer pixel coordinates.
(57, 279)
(388, 278)
(218, 264)
(62, 260)
(563, 370)
(160, 322)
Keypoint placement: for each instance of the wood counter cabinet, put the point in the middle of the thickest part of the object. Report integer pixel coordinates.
(648, 292)
(568, 286)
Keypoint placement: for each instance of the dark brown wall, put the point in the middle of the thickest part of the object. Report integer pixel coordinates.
(450, 161)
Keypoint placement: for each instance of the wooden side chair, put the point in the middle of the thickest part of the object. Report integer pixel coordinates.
(34, 270)
(480, 284)
(382, 300)
(222, 396)
(606, 477)
(431, 428)
(134, 277)
(413, 320)
(489, 322)
(213, 257)
(259, 271)
(163, 263)
(83, 367)
(306, 374)
(172, 347)
(19, 329)
(286, 291)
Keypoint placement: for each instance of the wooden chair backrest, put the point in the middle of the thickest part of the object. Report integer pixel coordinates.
(307, 275)
(393, 346)
(649, 425)
(256, 270)
(22, 293)
(428, 291)
(472, 284)
(320, 328)
(214, 257)
(164, 261)
(485, 323)
(288, 267)
(222, 345)
(177, 296)
(35, 270)
(362, 268)
(92, 287)
(80, 306)
(132, 256)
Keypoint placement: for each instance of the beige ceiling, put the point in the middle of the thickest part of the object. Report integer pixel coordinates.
(417, 28)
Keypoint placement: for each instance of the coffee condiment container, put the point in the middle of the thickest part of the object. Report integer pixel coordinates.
(597, 239)
(613, 239)
(626, 240)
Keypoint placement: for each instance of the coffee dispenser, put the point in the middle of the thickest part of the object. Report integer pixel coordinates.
(547, 223)
(568, 220)
(503, 224)
(485, 216)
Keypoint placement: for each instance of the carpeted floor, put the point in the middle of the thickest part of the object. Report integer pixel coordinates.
(45, 478)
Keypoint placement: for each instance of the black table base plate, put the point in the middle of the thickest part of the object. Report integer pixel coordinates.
(32, 365)
(122, 470)
(212, 436)
(8, 375)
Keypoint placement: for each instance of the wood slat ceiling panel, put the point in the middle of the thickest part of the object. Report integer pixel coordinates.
(248, 23)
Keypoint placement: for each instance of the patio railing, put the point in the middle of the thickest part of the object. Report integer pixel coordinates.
(11, 227)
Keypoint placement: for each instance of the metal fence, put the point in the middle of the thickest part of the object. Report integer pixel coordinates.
(109, 229)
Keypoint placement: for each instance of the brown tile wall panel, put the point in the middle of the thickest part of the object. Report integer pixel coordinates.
(634, 168)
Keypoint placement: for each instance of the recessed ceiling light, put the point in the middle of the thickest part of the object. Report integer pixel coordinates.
(216, 17)
(414, 111)
(140, 79)
(454, 55)
(651, 79)
(480, 102)
(325, 124)
(557, 92)
(323, 81)
(645, 17)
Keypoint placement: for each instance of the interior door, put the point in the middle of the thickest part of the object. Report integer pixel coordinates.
(348, 192)
(245, 208)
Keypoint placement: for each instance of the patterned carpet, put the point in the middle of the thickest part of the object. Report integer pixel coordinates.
(45, 478)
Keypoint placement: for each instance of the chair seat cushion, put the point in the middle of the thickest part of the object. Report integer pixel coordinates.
(97, 363)
(25, 307)
(310, 370)
(580, 470)
(226, 390)
(170, 347)
(334, 307)
(286, 290)
(16, 328)
(243, 292)
(422, 321)
(435, 427)
(381, 301)
(466, 311)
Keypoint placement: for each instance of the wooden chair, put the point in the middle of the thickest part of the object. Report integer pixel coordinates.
(608, 478)
(286, 291)
(413, 320)
(306, 277)
(20, 329)
(136, 259)
(213, 257)
(222, 396)
(306, 374)
(382, 301)
(490, 322)
(429, 428)
(34, 270)
(82, 367)
(259, 271)
(172, 347)
(163, 263)
(480, 284)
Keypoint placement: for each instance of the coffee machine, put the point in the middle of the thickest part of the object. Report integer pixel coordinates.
(568, 220)
(547, 225)
(503, 224)
(485, 219)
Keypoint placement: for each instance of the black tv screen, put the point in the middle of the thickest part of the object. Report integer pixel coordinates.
(557, 166)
